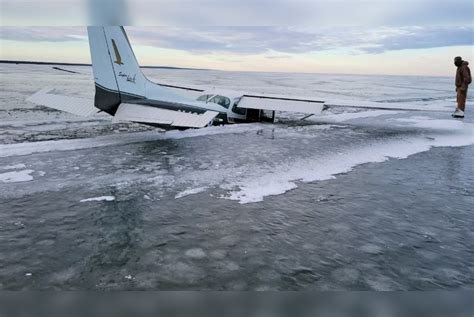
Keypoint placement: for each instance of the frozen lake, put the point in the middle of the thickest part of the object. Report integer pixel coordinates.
(350, 200)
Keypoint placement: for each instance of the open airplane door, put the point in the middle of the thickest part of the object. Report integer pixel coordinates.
(258, 106)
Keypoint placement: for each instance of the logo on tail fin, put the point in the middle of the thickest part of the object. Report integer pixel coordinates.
(117, 54)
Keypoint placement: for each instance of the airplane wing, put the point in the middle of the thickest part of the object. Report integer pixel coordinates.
(163, 117)
(65, 70)
(383, 106)
(75, 105)
(312, 106)
(276, 103)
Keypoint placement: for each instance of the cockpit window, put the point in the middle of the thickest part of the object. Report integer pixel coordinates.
(221, 100)
(204, 98)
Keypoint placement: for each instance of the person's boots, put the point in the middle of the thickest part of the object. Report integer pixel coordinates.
(458, 113)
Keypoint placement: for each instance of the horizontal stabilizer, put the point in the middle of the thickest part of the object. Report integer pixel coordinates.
(159, 116)
(281, 104)
(75, 105)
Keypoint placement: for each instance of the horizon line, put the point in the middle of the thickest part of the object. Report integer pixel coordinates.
(17, 62)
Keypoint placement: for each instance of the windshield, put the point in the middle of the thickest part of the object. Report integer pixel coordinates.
(204, 98)
(221, 100)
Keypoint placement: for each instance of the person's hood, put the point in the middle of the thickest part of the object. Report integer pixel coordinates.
(465, 63)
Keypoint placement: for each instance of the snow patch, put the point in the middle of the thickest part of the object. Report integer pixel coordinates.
(17, 176)
(435, 124)
(190, 191)
(196, 253)
(13, 167)
(102, 198)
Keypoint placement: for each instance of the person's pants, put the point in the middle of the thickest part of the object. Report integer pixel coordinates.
(462, 96)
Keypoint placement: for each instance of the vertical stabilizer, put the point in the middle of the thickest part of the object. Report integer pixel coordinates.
(117, 74)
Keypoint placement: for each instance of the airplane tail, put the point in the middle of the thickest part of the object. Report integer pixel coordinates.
(117, 74)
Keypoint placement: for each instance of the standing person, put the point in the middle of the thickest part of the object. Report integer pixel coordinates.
(463, 79)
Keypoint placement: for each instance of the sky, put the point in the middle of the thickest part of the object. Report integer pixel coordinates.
(417, 37)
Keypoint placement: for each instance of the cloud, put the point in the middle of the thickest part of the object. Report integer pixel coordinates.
(240, 40)
(257, 40)
(42, 34)
(179, 13)
(422, 38)
(268, 40)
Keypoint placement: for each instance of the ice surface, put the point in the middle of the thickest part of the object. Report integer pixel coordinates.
(330, 234)
(101, 198)
(7, 150)
(337, 118)
(285, 177)
(16, 176)
(250, 175)
(436, 124)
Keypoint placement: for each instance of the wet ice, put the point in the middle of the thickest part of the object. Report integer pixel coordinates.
(322, 204)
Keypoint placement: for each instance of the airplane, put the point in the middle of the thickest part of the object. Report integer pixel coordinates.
(124, 92)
